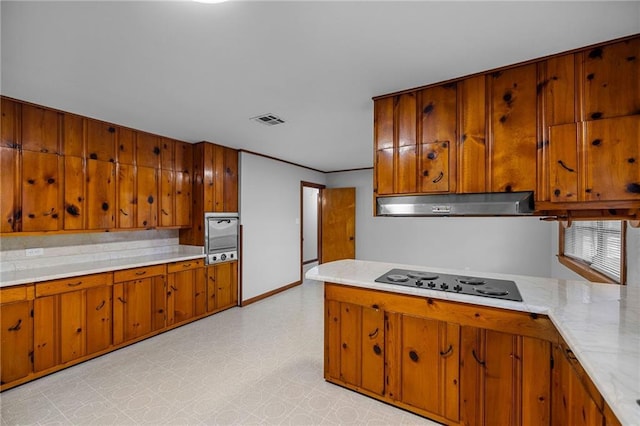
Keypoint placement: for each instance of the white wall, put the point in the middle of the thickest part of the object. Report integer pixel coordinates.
(310, 223)
(504, 244)
(270, 216)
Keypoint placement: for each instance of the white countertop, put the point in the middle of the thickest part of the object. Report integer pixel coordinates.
(600, 322)
(67, 270)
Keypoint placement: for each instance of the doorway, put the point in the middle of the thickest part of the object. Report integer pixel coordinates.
(310, 222)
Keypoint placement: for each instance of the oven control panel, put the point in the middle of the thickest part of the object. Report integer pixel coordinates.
(226, 256)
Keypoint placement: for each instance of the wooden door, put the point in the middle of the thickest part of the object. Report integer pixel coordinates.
(147, 197)
(564, 165)
(230, 181)
(183, 199)
(437, 138)
(167, 198)
(101, 141)
(167, 150)
(40, 129)
(74, 193)
(613, 159)
(10, 113)
(10, 212)
(513, 142)
(159, 303)
(611, 80)
(183, 161)
(223, 285)
(126, 196)
(98, 318)
(383, 123)
(73, 135)
(373, 353)
(16, 340)
(72, 325)
(200, 291)
(126, 146)
(46, 319)
(147, 150)
(41, 191)
(338, 224)
(384, 171)
(101, 194)
(132, 300)
(430, 365)
(182, 288)
(406, 143)
(472, 150)
(218, 178)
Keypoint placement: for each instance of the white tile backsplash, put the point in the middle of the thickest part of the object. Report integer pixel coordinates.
(83, 248)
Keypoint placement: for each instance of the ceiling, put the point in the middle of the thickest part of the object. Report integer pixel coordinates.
(194, 71)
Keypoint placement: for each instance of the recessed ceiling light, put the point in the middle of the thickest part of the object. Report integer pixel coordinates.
(268, 119)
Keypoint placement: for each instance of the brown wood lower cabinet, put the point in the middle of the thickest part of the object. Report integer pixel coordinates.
(16, 333)
(139, 302)
(186, 295)
(72, 319)
(456, 363)
(222, 286)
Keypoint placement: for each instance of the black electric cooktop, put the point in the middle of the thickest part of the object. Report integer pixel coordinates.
(485, 287)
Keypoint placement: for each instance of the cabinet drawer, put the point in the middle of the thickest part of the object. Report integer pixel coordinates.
(185, 265)
(48, 288)
(16, 294)
(138, 273)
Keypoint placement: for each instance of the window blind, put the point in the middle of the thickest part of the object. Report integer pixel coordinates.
(598, 243)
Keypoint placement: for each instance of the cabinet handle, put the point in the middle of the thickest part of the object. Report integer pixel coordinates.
(141, 273)
(122, 300)
(373, 334)
(565, 166)
(100, 306)
(49, 213)
(414, 356)
(74, 284)
(123, 212)
(571, 355)
(473, 352)
(439, 178)
(173, 288)
(17, 326)
(164, 212)
(447, 352)
(186, 265)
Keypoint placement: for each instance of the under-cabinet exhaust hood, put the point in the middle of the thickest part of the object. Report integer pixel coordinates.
(484, 204)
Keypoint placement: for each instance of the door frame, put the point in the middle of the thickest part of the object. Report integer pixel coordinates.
(319, 187)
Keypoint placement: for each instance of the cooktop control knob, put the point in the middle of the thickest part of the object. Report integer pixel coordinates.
(419, 283)
(223, 257)
(431, 284)
(457, 287)
(444, 286)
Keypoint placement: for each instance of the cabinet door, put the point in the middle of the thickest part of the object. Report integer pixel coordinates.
(613, 159)
(167, 198)
(167, 150)
(407, 170)
(564, 169)
(10, 213)
(72, 325)
(384, 171)
(513, 150)
(40, 129)
(222, 285)
(126, 146)
(101, 194)
(159, 303)
(218, 178)
(200, 291)
(126, 193)
(137, 308)
(183, 199)
(230, 180)
(147, 195)
(16, 340)
(383, 123)
(372, 341)
(98, 318)
(73, 129)
(558, 90)
(429, 365)
(472, 150)
(147, 150)
(182, 288)
(41, 191)
(434, 167)
(9, 123)
(183, 157)
(46, 319)
(611, 79)
(74, 193)
(101, 141)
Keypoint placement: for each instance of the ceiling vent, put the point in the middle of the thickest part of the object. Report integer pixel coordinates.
(268, 119)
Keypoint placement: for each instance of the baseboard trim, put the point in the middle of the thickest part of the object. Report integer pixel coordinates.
(269, 293)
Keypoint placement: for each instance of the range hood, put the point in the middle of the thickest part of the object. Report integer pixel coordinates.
(484, 204)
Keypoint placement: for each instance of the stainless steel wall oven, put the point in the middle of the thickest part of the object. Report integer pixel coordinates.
(221, 237)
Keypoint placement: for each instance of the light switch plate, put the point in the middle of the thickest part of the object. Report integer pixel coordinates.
(34, 252)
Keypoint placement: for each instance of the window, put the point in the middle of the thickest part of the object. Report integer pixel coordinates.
(595, 250)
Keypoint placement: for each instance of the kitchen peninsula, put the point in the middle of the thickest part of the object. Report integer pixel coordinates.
(377, 334)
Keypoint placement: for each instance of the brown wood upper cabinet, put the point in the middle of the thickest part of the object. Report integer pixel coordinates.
(16, 332)
(101, 141)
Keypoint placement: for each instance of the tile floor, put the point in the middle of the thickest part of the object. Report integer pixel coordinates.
(261, 364)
